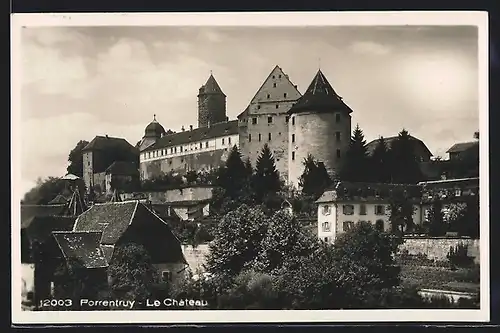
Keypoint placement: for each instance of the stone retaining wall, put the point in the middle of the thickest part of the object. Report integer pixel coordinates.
(438, 247)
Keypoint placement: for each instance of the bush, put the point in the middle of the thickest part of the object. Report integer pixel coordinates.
(458, 256)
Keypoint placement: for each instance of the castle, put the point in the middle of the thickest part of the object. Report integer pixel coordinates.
(291, 124)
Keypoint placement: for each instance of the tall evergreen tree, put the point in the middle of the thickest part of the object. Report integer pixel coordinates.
(315, 179)
(405, 167)
(356, 158)
(437, 225)
(233, 177)
(266, 180)
(380, 162)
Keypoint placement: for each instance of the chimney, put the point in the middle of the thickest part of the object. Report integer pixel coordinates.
(190, 127)
(182, 128)
(107, 137)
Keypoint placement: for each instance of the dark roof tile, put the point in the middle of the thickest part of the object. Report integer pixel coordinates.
(195, 135)
(122, 168)
(29, 211)
(462, 146)
(82, 246)
(109, 143)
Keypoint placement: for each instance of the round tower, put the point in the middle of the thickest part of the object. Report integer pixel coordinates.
(320, 125)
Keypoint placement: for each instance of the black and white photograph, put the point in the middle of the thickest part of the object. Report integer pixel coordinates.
(181, 168)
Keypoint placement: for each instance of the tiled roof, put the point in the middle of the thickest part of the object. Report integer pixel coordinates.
(320, 96)
(211, 87)
(109, 143)
(108, 251)
(82, 246)
(122, 168)
(29, 211)
(347, 191)
(390, 140)
(195, 135)
(39, 228)
(112, 219)
(451, 182)
(462, 146)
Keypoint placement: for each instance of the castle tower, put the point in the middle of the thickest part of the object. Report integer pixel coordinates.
(320, 125)
(211, 104)
(153, 132)
(265, 120)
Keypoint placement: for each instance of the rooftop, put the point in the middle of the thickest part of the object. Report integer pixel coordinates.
(390, 140)
(462, 146)
(83, 247)
(122, 168)
(109, 143)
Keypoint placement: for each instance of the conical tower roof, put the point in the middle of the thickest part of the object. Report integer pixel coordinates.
(320, 97)
(211, 87)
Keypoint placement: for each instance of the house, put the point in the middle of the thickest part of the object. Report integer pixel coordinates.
(458, 150)
(420, 150)
(340, 207)
(123, 223)
(121, 175)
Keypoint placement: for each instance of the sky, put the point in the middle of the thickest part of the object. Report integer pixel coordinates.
(79, 82)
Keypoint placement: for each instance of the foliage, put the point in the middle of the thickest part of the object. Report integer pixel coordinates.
(237, 241)
(132, 273)
(266, 179)
(75, 159)
(315, 179)
(163, 182)
(458, 256)
(401, 211)
(44, 191)
(437, 225)
(405, 167)
(356, 159)
(463, 217)
(285, 237)
(380, 162)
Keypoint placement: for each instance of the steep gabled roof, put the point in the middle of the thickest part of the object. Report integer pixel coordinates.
(112, 219)
(320, 97)
(82, 246)
(109, 143)
(40, 228)
(370, 147)
(30, 211)
(196, 135)
(211, 87)
(462, 146)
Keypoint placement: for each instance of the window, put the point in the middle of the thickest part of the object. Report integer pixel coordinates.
(293, 137)
(182, 159)
(279, 76)
(274, 76)
(326, 210)
(249, 137)
(348, 209)
(326, 226)
(347, 225)
(171, 150)
(338, 153)
(379, 210)
(287, 118)
(269, 120)
(337, 117)
(284, 95)
(269, 137)
(379, 225)
(254, 121)
(326, 239)
(166, 276)
(175, 149)
(268, 96)
(293, 156)
(277, 106)
(337, 136)
(458, 192)
(258, 106)
(362, 209)
(201, 145)
(274, 85)
(222, 140)
(229, 141)
(170, 162)
(206, 144)
(293, 120)
(260, 137)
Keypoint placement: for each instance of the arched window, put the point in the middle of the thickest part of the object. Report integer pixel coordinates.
(379, 225)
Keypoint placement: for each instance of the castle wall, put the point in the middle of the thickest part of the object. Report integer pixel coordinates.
(211, 109)
(316, 134)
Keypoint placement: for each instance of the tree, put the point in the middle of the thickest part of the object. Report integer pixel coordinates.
(437, 225)
(315, 179)
(237, 241)
(285, 238)
(75, 159)
(44, 191)
(401, 211)
(266, 180)
(380, 162)
(405, 165)
(132, 273)
(356, 158)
